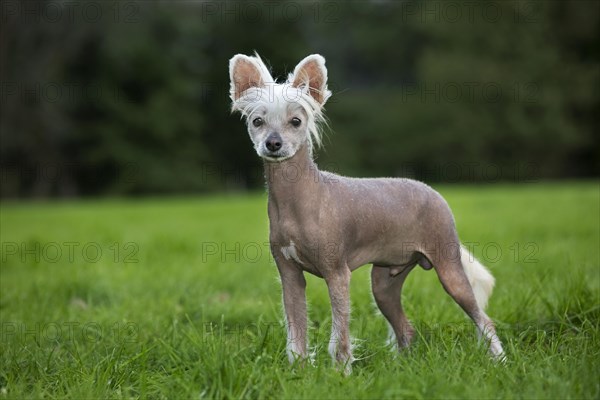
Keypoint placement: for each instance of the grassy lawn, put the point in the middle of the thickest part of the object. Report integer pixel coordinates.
(179, 298)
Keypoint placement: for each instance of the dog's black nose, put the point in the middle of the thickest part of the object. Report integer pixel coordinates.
(273, 142)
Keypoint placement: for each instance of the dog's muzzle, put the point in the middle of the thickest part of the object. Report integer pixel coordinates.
(273, 142)
(273, 145)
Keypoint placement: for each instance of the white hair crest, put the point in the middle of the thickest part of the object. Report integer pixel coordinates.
(272, 95)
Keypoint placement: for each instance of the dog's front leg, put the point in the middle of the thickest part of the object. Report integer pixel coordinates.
(340, 349)
(294, 302)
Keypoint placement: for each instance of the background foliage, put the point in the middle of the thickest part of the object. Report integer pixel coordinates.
(132, 98)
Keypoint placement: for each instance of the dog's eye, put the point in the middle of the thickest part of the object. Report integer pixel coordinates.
(295, 122)
(257, 122)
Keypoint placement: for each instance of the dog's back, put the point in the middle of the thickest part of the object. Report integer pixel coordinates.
(388, 219)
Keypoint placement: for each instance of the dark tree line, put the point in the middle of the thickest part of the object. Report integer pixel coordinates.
(132, 98)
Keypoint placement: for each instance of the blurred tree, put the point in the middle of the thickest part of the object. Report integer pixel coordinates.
(136, 102)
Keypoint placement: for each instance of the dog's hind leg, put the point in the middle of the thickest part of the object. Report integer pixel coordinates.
(387, 289)
(452, 275)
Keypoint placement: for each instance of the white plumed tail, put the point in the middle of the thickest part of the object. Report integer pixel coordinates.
(480, 278)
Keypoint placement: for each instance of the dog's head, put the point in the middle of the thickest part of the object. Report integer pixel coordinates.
(281, 117)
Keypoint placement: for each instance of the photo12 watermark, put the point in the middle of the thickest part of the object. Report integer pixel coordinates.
(471, 172)
(69, 331)
(60, 92)
(70, 11)
(71, 252)
(262, 252)
(472, 92)
(53, 172)
(239, 335)
(471, 12)
(327, 12)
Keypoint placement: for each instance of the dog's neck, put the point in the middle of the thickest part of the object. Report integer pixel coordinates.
(293, 185)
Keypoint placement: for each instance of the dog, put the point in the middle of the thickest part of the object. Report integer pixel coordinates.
(329, 225)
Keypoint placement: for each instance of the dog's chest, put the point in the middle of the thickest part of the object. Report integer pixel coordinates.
(307, 257)
(290, 252)
(298, 234)
(297, 243)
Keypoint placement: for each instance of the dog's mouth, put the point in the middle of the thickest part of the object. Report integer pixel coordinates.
(276, 156)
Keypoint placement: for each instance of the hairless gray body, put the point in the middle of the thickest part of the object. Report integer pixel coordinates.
(329, 225)
(337, 222)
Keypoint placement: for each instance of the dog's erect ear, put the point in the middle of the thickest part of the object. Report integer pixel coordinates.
(311, 74)
(245, 73)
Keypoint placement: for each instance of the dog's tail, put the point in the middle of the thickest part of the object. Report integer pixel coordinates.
(480, 278)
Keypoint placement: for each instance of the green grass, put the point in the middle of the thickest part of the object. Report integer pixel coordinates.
(184, 302)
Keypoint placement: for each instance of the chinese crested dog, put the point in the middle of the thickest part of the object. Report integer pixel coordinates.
(329, 225)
